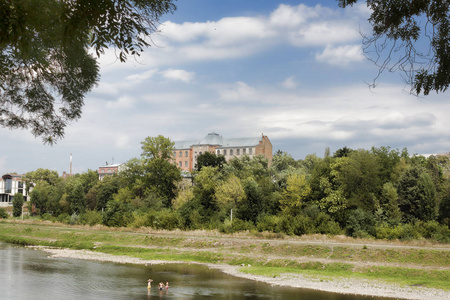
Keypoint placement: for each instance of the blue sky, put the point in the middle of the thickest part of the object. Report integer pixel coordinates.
(293, 70)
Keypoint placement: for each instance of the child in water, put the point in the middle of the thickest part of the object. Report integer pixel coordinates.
(167, 285)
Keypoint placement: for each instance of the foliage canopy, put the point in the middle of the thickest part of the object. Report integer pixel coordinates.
(398, 27)
(45, 65)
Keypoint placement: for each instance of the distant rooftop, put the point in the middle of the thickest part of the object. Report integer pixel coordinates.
(217, 140)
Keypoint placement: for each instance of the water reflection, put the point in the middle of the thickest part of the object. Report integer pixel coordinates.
(31, 274)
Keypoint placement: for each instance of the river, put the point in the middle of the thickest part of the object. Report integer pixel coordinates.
(31, 274)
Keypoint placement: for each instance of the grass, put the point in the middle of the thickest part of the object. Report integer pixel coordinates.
(268, 257)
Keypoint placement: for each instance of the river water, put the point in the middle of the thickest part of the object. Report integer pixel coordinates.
(31, 274)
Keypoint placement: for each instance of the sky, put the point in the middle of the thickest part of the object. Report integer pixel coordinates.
(292, 70)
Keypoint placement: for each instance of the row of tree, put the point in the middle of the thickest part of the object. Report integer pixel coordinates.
(380, 192)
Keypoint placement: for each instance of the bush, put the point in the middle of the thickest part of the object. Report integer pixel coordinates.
(139, 220)
(117, 214)
(17, 205)
(168, 220)
(3, 213)
(324, 224)
(46, 217)
(63, 218)
(236, 226)
(91, 218)
(360, 223)
(74, 219)
(268, 223)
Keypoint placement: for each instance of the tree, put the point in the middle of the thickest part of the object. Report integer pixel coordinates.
(417, 195)
(401, 26)
(157, 147)
(358, 175)
(45, 65)
(50, 176)
(77, 199)
(293, 197)
(389, 202)
(39, 196)
(230, 192)
(17, 205)
(209, 160)
(343, 152)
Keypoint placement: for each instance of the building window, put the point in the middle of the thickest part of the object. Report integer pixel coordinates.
(180, 164)
(244, 151)
(8, 186)
(218, 152)
(181, 153)
(224, 152)
(250, 151)
(231, 151)
(174, 154)
(186, 154)
(238, 151)
(200, 153)
(186, 163)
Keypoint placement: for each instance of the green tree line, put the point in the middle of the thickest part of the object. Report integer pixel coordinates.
(381, 193)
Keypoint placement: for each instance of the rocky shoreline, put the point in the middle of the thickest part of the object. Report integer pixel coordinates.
(333, 285)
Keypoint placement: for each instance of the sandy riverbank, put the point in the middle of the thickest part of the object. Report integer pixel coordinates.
(342, 286)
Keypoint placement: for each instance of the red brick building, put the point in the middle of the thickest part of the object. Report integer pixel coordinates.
(186, 152)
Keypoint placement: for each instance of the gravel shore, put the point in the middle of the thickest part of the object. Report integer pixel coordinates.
(342, 286)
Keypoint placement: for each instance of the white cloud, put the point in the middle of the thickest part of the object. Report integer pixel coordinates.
(121, 103)
(289, 17)
(138, 78)
(236, 37)
(122, 141)
(289, 83)
(181, 75)
(341, 56)
(239, 92)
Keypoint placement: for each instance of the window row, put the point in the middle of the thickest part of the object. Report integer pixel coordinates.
(180, 164)
(235, 151)
(180, 154)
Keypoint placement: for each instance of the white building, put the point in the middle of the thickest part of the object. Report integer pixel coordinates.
(11, 184)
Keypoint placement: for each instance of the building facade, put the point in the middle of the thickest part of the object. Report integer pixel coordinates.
(109, 170)
(11, 184)
(186, 152)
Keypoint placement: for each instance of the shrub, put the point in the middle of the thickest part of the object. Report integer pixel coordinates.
(169, 220)
(17, 205)
(302, 225)
(3, 213)
(324, 224)
(91, 218)
(74, 219)
(268, 223)
(236, 226)
(46, 217)
(63, 218)
(360, 223)
(117, 214)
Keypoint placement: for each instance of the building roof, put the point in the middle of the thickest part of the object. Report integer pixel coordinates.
(184, 144)
(240, 142)
(111, 166)
(211, 139)
(217, 140)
